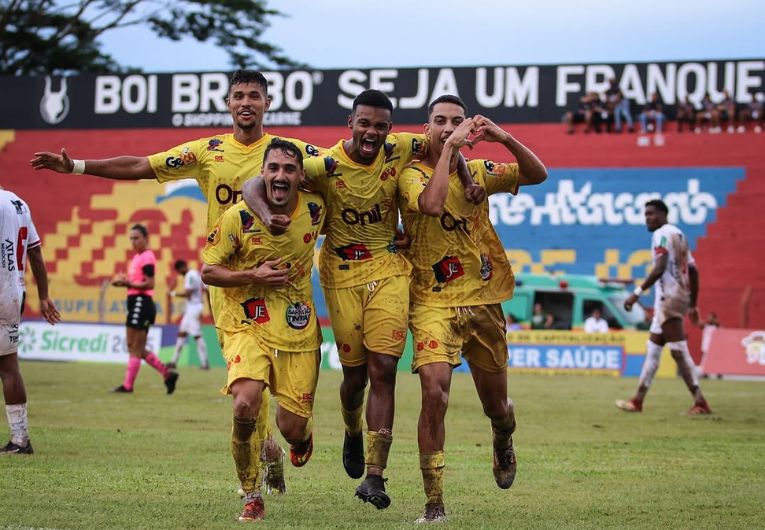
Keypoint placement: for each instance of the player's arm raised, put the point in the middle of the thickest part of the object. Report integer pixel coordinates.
(117, 168)
(532, 169)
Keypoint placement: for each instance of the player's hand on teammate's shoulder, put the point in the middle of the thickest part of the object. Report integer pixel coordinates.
(475, 193)
(270, 274)
(57, 162)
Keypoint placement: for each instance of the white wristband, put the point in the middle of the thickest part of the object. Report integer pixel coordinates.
(172, 293)
(79, 167)
(638, 291)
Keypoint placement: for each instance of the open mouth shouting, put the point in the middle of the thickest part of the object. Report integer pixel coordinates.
(280, 191)
(368, 147)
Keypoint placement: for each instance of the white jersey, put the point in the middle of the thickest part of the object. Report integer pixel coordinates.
(192, 283)
(674, 283)
(17, 235)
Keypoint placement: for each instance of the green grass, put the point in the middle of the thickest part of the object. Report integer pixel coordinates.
(149, 460)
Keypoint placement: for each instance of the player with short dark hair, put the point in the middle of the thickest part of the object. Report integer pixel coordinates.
(18, 232)
(222, 161)
(191, 322)
(460, 277)
(676, 278)
(268, 318)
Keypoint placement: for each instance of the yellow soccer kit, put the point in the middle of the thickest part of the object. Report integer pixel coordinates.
(460, 270)
(279, 320)
(358, 259)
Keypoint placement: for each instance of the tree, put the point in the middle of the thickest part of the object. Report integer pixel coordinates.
(61, 36)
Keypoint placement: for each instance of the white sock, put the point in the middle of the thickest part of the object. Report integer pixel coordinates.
(179, 344)
(651, 363)
(19, 423)
(202, 351)
(682, 346)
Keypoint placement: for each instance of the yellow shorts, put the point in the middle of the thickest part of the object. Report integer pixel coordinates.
(441, 333)
(216, 303)
(290, 376)
(369, 318)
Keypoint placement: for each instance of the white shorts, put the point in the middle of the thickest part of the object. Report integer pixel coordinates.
(666, 309)
(190, 323)
(9, 338)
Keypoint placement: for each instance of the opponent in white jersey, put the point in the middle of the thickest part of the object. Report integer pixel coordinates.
(193, 291)
(18, 239)
(677, 287)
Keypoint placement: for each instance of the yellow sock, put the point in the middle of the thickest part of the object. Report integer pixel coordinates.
(432, 467)
(264, 415)
(352, 419)
(245, 448)
(378, 447)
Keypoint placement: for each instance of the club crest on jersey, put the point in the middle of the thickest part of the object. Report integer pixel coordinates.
(418, 147)
(311, 150)
(354, 252)
(389, 149)
(214, 145)
(255, 310)
(248, 221)
(214, 236)
(330, 165)
(315, 211)
(448, 269)
(487, 270)
(489, 165)
(298, 315)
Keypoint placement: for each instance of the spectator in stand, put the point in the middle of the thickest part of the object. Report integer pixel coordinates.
(617, 104)
(708, 114)
(710, 325)
(595, 323)
(537, 316)
(583, 114)
(752, 112)
(652, 112)
(601, 114)
(726, 109)
(549, 322)
(512, 323)
(686, 114)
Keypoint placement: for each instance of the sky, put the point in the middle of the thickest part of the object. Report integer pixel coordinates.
(408, 33)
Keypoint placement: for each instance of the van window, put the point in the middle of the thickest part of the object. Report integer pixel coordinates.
(560, 305)
(590, 305)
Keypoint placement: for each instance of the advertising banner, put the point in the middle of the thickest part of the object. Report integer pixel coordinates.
(736, 352)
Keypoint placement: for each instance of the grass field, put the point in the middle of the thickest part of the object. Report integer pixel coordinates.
(149, 460)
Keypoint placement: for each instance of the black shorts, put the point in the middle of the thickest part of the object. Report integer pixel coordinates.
(141, 311)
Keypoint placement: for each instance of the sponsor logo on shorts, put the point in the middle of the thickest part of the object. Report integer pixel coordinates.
(315, 212)
(354, 252)
(307, 397)
(255, 310)
(298, 315)
(399, 334)
(448, 269)
(487, 270)
(214, 145)
(13, 334)
(431, 344)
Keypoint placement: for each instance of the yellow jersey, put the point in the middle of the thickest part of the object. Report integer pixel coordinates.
(220, 165)
(457, 258)
(282, 318)
(362, 212)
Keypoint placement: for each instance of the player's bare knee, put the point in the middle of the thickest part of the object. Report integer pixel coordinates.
(246, 405)
(382, 370)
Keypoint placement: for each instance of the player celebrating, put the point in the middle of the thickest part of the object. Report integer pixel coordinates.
(222, 161)
(460, 277)
(677, 288)
(193, 291)
(139, 282)
(268, 317)
(21, 241)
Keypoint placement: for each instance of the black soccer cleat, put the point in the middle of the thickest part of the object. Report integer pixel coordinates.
(372, 490)
(353, 455)
(13, 449)
(170, 381)
(122, 389)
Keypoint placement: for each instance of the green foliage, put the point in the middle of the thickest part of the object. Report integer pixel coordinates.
(149, 460)
(48, 36)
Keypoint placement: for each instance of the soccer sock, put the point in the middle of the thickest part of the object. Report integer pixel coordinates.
(131, 372)
(265, 438)
(650, 366)
(687, 367)
(432, 467)
(179, 344)
(352, 419)
(153, 361)
(18, 421)
(378, 447)
(245, 448)
(502, 429)
(202, 352)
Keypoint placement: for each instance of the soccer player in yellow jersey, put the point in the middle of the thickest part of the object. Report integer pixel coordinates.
(365, 278)
(460, 276)
(219, 164)
(271, 334)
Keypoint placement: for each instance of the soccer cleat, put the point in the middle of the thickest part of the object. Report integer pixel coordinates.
(699, 408)
(629, 405)
(122, 389)
(301, 453)
(505, 466)
(353, 455)
(170, 381)
(372, 490)
(273, 475)
(13, 449)
(434, 513)
(253, 511)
